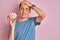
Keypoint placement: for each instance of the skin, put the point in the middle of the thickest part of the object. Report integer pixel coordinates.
(24, 13)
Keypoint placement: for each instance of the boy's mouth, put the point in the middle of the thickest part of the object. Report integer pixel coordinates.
(23, 13)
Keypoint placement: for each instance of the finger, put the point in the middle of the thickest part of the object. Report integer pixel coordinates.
(27, 3)
(8, 19)
(14, 21)
(24, 0)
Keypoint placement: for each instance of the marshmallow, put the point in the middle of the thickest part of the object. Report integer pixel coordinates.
(13, 15)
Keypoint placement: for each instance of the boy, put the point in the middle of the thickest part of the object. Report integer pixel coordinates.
(24, 27)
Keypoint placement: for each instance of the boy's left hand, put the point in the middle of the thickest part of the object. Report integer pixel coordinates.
(27, 3)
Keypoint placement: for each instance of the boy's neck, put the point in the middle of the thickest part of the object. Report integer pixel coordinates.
(22, 19)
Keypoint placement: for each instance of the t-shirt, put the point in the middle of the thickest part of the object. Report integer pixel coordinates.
(25, 30)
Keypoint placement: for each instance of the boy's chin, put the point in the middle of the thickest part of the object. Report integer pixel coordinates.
(24, 16)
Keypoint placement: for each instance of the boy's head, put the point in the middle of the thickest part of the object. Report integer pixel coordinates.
(24, 10)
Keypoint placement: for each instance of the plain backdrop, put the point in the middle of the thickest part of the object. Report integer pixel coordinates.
(50, 26)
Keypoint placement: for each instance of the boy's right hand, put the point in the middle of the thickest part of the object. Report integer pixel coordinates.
(11, 22)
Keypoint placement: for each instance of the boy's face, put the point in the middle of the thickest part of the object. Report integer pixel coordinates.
(24, 11)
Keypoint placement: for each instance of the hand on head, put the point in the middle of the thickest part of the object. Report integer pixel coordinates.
(27, 3)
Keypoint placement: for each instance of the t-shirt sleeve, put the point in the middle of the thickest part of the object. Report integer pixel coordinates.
(9, 29)
(34, 18)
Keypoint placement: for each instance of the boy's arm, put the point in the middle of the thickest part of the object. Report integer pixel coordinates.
(40, 13)
(11, 36)
(12, 23)
(38, 10)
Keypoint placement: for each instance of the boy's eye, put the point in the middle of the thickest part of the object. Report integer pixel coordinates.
(27, 8)
(21, 8)
(24, 8)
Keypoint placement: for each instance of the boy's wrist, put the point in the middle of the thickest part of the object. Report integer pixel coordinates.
(33, 6)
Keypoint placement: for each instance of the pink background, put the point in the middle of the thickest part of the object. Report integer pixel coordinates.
(50, 26)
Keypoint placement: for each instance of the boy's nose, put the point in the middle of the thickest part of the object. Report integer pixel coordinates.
(23, 10)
